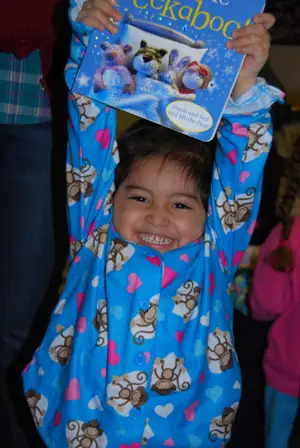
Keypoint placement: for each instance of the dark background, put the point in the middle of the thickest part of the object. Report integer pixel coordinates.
(287, 27)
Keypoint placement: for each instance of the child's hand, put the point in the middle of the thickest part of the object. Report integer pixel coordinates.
(98, 14)
(254, 41)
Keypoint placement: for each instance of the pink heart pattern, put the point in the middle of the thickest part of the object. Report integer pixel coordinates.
(57, 418)
(99, 204)
(134, 283)
(240, 130)
(184, 257)
(103, 137)
(179, 335)
(232, 156)
(169, 442)
(252, 228)
(80, 300)
(73, 390)
(154, 260)
(190, 411)
(113, 357)
(168, 277)
(91, 228)
(244, 176)
(223, 258)
(81, 325)
(133, 445)
(237, 257)
(212, 284)
(82, 222)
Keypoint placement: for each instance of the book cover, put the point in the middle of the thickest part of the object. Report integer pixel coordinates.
(169, 62)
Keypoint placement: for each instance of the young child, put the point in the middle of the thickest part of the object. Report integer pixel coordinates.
(276, 295)
(139, 350)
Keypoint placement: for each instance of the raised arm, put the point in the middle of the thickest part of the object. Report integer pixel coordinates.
(244, 140)
(92, 155)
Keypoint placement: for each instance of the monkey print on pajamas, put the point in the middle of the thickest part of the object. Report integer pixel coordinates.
(97, 240)
(61, 347)
(220, 351)
(80, 181)
(127, 391)
(120, 252)
(140, 351)
(169, 375)
(85, 435)
(221, 426)
(100, 323)
(186, 301)
(38, 405)
(143, 325)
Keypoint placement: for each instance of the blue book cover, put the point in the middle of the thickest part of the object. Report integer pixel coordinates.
(169, 62)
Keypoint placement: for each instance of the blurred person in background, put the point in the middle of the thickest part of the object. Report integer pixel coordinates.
(32, 153)
(276, 297)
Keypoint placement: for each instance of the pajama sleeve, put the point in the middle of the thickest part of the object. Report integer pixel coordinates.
(244, 141)
(92, 154)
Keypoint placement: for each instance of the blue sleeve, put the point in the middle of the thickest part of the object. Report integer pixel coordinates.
(244, 141)
(92, 153)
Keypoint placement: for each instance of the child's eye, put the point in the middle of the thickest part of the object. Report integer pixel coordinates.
(181, 206)
(138, 198)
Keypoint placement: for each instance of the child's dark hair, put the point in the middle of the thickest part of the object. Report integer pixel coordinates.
(283, 258)
(145, 140)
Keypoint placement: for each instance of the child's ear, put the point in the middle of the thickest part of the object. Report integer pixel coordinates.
(162, 52)
(143, 44)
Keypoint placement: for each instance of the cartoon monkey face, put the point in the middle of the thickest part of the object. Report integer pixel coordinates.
(220, 351)
(79, 181)
(38, 405)
(92, 430)
(221, 426)
(149, 316)
(32, 398)
(167, 378)
(85, 435)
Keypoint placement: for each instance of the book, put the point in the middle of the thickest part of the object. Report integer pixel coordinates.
(169, 62)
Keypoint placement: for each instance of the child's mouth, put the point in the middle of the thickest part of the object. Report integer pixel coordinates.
(155, 240)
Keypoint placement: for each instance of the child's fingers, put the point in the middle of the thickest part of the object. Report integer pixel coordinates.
(97, 19)
(252, 29)
(265, 19)
(92, 23)
(258, 51)
(109, 11)
(252, 39)
(106, 6)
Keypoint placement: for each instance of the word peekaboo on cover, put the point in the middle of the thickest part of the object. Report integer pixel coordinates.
(169, 62)
(193, 14)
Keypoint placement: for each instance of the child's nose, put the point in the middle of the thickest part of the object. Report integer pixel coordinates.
(157, 217)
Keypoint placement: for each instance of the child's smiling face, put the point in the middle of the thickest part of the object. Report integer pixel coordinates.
(157, 206)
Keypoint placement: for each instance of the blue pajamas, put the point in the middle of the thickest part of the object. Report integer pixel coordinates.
(139, 350)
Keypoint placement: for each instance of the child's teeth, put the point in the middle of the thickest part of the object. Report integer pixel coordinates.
(155, 239)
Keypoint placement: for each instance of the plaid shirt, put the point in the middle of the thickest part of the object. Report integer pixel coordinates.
(22, 98)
